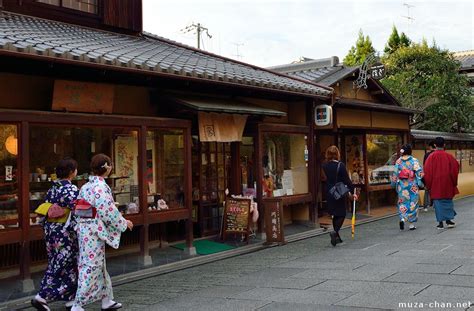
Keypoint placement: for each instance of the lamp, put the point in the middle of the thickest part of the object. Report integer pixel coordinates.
(11, 144)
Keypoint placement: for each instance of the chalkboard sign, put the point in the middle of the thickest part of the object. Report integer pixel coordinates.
(236, 217)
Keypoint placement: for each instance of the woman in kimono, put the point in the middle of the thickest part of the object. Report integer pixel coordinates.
(60, 279)
(407, 179)
(99, 222)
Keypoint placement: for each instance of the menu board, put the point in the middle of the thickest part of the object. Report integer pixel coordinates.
(236, 216)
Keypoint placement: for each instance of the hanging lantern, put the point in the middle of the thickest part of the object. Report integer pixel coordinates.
(11, 144)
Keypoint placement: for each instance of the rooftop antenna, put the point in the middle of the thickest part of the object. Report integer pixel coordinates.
(237, 55)
(408, 16)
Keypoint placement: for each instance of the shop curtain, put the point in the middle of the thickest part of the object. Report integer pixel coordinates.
(221, 127)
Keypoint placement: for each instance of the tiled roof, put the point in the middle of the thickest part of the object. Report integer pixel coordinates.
(421, 134)
(466, 58)
(31, 35)
(326, 71)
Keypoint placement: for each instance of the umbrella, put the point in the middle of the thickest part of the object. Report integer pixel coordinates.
(353, 216)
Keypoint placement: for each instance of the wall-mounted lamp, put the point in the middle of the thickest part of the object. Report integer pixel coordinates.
(11, 144)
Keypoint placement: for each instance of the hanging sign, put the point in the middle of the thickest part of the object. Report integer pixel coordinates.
(377, 71)
(323, 115)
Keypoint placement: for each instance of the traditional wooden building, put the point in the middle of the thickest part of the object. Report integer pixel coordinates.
(368, 125)
(182, 125)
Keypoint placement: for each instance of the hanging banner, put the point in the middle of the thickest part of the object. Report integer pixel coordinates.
(221, 127)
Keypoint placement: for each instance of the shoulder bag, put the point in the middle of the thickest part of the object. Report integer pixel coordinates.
(339, 190)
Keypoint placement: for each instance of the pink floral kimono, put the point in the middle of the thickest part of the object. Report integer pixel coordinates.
(94, 281)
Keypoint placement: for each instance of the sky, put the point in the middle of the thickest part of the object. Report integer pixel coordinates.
(274, 32)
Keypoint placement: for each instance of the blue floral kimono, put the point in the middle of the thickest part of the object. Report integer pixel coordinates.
(93, 234)
(407, 179)
(60, 279)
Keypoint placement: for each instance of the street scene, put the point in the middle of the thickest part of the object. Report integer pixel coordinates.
(236, 155)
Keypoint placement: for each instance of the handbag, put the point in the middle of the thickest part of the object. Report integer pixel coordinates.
(339, 190)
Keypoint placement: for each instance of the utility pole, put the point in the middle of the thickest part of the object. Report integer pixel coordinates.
(198, 28)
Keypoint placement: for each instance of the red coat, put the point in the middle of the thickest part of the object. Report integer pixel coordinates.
(441, 175)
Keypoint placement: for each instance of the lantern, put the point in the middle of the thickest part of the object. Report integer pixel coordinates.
(11, 144)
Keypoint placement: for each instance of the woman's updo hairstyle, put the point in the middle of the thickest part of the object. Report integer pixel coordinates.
(100, 163)
(65, 167)
(406, 149)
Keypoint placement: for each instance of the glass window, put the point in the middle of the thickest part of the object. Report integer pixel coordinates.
(89, 6)
(382, 153)
(165, 169)
(285, 168)
(247, 167)
(50, 144)
(8, 176)
(355, 158)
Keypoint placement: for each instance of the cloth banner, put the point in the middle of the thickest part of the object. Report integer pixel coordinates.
(221, 127)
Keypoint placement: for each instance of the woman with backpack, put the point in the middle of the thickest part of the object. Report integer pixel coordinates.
(60, 279)
(406, 179)
(334, 172)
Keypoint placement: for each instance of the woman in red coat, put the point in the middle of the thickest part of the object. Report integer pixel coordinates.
(441, 178)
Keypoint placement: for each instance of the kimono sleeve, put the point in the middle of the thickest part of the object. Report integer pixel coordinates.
(68, 195)
(428, 171)
(106, 210)
(417, 168)
(454, 170)
(394, 175)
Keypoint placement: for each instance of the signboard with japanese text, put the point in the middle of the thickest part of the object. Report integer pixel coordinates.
(377, 71)
(274, 220)
(236, 217)
(79, 96)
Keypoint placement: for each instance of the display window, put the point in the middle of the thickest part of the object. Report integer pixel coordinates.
(285, 165)
(165, 169)
(247, 167)
(382, 153)
(355, 163)
(48, 145)
(9, 180)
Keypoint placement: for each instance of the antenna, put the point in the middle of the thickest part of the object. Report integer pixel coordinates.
(237, 55)
(408, 17)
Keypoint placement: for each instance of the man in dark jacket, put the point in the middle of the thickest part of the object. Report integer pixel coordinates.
(426, 198)
(441, 177)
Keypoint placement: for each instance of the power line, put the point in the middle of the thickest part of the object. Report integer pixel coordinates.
(199, 29)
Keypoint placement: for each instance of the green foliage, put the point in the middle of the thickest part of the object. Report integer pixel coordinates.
(427, 78)
(359, 52)
(396, 41)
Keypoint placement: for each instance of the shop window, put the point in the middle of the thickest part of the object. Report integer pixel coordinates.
(165, 169)
(382, 153)
(89, 6)
(50, 144)
(8, 176)
(355, 162)
(284, 164)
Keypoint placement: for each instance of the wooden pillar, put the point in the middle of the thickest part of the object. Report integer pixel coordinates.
(143, 190)
(258, 147)
(313, 167)
(235, 170)
(24, 212)
(188, 188)
(366, 170)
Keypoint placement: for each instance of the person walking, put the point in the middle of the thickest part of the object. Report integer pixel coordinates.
(335, 171)
(407, 179)
(59, 282)
(99, 222)
(441, 177)
(426, 198)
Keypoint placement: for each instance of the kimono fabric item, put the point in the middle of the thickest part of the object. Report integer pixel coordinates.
(60, 279)
(107, 226)
(444, 209)
(407, 179)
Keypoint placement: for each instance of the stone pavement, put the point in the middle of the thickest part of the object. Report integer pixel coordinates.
(382, 268)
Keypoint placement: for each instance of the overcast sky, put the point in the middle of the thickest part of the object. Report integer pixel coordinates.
(274, 32)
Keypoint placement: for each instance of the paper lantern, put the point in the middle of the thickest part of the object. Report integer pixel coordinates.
(11, 144)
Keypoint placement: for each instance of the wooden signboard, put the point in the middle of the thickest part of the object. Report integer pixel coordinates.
(274, 220)
(83, 96)
(236, 217)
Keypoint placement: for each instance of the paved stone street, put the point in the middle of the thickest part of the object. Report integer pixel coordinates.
(379, 269)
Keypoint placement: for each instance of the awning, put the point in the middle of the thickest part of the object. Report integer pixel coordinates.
(227, 106)
(429, 135)
(375, 106)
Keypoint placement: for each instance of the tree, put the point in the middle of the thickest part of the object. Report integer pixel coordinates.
(359, 52)
(427, 78)
(396, 41)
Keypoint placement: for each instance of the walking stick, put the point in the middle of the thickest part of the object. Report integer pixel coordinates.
(353, 216)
